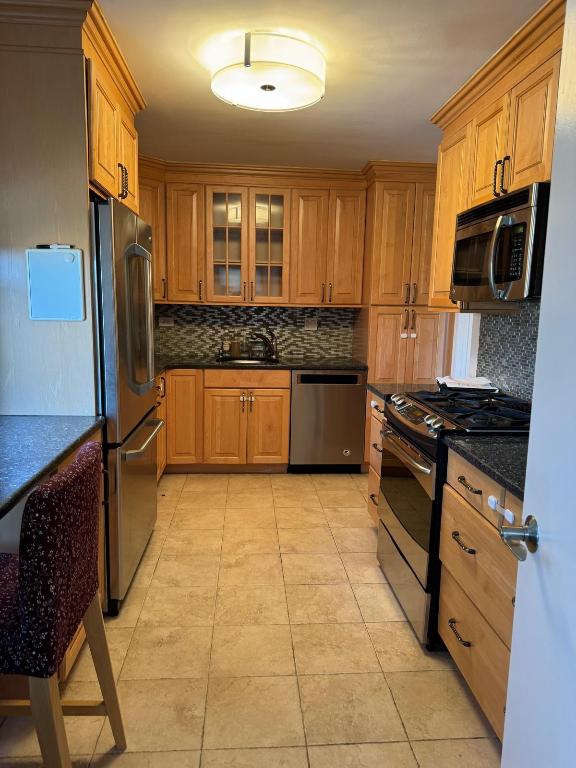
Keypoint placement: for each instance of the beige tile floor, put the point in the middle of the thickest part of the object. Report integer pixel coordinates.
(259, 633)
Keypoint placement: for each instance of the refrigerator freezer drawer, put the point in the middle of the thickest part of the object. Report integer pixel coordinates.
(131, 504)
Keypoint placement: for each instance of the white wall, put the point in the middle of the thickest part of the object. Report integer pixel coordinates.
(540, 725)
(45, 367)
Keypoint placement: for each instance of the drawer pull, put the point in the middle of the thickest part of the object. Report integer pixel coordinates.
(377, 448)
(462, 481)
(373, 498)
(458, 540)
(376, 407)
(452, 625)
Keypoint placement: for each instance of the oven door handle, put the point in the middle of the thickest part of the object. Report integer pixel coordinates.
(396, 446)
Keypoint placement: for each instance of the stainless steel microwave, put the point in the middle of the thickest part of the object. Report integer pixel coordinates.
(499, 250)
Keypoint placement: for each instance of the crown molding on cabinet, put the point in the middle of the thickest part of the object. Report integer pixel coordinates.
(97, 31)
(378, 170)
(542, 25)
(54, 12)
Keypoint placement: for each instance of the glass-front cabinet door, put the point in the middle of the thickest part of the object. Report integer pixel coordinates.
(227, 246)
(269, 245)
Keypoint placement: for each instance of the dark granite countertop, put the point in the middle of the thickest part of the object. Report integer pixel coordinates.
(502, 457)
(31, 446)
(286, 363)
(382, 390)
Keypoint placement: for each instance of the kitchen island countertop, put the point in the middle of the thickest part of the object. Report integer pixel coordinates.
(32, 446)
(501, 457)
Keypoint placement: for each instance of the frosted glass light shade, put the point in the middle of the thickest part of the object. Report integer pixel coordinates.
(284, 73)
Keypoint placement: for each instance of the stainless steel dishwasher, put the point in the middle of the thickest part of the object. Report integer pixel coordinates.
(327, 417)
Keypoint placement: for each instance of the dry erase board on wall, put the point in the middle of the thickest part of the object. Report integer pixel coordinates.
(55, 284)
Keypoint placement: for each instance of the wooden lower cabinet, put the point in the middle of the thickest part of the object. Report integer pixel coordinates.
(184, 416)
(225, 424)
(161, 413)
(268, 430)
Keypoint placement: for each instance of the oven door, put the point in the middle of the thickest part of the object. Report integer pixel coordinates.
(406, 502)
(492, 258)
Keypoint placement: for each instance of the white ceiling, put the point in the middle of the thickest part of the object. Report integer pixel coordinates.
(390, 64)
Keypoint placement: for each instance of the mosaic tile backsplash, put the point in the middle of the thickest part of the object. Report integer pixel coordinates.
(199, 330)
(507, 349)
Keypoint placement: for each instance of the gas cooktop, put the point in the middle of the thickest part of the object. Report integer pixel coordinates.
(478, 409)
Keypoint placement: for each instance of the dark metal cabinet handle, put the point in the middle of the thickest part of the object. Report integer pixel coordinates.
(452, 625)
(458, 540)
(373, 498)
(406, 293)
(377, 448)
(164, 287)
(378, 409)
(503, 189)
(200, 287)
(251, 291)
(475, 491)
(413, 294)
(122, 193)
(413, 326)
(406, 320)
(323, 293)
(125, 181)
(495, 176)
(329, 293)
(244, 291)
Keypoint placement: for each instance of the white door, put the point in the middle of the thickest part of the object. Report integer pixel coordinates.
(540, 727)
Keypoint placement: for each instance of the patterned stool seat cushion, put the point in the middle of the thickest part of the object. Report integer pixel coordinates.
(46, 589)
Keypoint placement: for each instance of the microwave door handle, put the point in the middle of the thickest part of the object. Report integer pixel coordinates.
(501, 222)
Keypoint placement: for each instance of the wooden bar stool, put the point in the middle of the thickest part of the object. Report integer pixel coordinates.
(46, 590)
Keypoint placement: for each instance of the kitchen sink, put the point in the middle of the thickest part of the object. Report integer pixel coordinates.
(248, 361)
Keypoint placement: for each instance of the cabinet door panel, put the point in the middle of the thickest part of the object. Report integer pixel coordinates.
(225, 422)
(309, 244)
(269, 246)
(161, 413)
(184, 417)
(387, 354)
(451, 198)
(393, 230)
(152, 199)
(489, 129)
(422, 243)
(346, 246)
(103, 132)
(268, 426)
(426, 346)
(185, 228)
(128, 154)
(532, 121)
(227, 244)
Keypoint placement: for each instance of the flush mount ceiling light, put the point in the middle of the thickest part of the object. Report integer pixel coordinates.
(269, 71)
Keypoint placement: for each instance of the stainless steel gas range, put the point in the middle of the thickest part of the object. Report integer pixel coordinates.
(410, 499)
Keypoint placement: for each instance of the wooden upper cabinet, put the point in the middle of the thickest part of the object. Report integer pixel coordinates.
(152, 203)
(185, 241)
(309, 245)
(392, 242)
(345, 247)
(387, 357)
(269, 245)
(103, 126)
(532, 123)
(488, 143)
(451, 198)
(422, 243)
(227, 244)
(268, 426)
(425, 355)
(128, 159)
(225, 424)
(184, 416)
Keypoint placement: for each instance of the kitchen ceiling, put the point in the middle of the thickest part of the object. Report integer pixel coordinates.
(390, 64)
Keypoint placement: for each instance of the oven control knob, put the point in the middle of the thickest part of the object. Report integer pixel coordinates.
(437, 423)
(430, 418)
(396, 398)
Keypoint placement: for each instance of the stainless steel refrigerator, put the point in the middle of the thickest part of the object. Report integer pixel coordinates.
(123, 245)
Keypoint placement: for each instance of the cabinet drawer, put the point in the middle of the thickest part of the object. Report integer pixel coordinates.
(375, 445)
(474, 486)
(373, 491)
(484, 663)
(247, 379)
(488, 575)
(376, 405)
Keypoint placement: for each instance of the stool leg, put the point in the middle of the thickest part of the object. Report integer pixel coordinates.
(96, 635)
(49, 721)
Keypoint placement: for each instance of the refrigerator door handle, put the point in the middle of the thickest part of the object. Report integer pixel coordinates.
(137, 251)
(136, 452)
